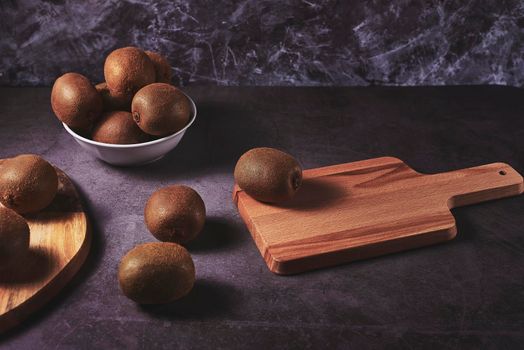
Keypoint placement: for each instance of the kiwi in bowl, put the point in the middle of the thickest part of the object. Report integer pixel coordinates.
(130, 154)
(134, 117)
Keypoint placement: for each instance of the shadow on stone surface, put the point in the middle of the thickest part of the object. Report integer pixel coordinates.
(218, 233)
(206, 299)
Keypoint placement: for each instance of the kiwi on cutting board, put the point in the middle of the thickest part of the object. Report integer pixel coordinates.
(156, 273)
(75, 101)
(160, 109)
(14, 237)
(114, 100)
(175, 213)
(128, 69)
(28, 183)
(268, 175)
(163, 71)
(118, 127)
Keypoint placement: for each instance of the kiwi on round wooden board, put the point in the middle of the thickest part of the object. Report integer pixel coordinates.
(268, 175)
(175, 214)
(14, 237)
(128, 69)
(156, 273)
(28, 183)
(160, 109)
(118, 127)
(75, 101)
(163, 72)
(114, 100)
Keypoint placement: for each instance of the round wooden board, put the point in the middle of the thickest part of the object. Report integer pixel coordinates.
(59, 245)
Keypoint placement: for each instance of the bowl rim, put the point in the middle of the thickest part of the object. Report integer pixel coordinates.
(142, 144)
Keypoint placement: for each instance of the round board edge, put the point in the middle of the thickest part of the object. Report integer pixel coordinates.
(22, 312)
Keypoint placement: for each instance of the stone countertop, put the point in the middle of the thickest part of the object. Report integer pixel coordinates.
(285, 42)
(467, 293)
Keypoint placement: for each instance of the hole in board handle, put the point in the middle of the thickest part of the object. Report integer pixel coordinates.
(502, 172)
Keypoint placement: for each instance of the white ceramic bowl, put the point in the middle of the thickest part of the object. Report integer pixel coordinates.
(134, 154)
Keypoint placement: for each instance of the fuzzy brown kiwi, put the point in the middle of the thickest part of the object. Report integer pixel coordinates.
(268, 175)
(113, 100)
(75, 101)
(14, 237)
(156, 273)
(163, 71)
(160, 109)
(28, 183)
(118, 127)
(128, 69)
(175, 214)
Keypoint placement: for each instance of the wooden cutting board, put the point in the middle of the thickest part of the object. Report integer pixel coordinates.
(59, 244)
(368, 208)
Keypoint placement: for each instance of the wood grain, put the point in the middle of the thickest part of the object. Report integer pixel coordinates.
(368, 208)
(59, 244)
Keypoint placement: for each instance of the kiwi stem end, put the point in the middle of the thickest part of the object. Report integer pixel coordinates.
(136, 117)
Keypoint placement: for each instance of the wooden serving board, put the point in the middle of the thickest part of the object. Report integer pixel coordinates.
(368, 208)
(59, 244)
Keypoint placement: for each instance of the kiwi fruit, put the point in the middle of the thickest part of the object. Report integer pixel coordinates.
(128, 69)
(14, 237)
(156, 273)
(160, 109)
(75, 101)
(175, 214)
(114, 100)
(268, 175)
(28, 183)
(118, 127)
(163, 70)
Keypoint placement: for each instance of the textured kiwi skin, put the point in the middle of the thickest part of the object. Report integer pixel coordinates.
(14, 237)
(160, 109)
(163, 71)
(118, 127)
(156, 273)
(113, 100)
(175, 213)
(28, 183)
(75, 101)
(128, 69)
(268, 175)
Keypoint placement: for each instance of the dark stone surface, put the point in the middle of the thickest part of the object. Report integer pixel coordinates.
(467, 293)
(268, 42)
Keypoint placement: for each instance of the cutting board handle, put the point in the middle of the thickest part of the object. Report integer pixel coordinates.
(479, 184)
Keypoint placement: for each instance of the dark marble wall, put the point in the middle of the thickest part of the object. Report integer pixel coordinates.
(280, 42)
